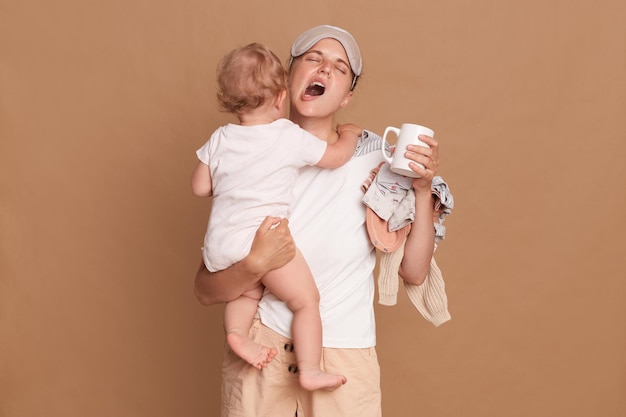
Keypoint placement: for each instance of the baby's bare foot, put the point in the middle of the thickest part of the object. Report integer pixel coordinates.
(255, 354)
(317, 379)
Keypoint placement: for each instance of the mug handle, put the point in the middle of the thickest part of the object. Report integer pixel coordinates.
(387, 130)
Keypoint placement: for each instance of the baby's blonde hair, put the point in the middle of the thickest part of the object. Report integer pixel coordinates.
(249, 76)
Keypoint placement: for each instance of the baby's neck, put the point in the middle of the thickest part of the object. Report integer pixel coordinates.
(262, 115)
(259, 119)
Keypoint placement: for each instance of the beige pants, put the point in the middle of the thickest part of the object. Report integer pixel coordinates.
(275, 391)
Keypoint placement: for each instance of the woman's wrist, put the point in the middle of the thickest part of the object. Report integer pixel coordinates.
(423, 194)
(253, 267)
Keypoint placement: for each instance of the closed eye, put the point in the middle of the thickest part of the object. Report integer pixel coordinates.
(342, 69)
(312, 56)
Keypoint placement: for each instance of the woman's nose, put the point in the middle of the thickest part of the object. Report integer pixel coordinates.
(324, 68)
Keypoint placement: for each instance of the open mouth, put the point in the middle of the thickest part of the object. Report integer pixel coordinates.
(315, 89)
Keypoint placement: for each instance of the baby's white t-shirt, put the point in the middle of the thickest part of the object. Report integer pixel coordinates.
(253, 170)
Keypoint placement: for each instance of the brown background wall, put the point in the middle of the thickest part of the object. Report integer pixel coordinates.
(102, 105)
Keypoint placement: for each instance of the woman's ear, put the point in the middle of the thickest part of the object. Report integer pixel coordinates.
(346, 100)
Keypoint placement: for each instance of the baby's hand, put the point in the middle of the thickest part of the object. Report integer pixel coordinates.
(349, 127)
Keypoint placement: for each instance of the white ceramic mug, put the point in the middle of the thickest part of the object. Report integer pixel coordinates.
(408, 134)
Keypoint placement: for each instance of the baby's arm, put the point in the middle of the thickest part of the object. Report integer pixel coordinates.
(340, 152)
(201, 185)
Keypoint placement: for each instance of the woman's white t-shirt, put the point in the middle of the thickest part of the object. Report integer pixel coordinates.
(328, 226)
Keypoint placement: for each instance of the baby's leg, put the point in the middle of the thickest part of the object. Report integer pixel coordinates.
(238, 316)
(294, 284)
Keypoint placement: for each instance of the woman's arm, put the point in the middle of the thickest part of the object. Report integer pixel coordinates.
(272, 247)
(420, 243)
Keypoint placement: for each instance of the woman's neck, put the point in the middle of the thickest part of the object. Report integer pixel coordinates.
(322, 128)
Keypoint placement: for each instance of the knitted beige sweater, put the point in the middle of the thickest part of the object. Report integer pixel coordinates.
(429, 298)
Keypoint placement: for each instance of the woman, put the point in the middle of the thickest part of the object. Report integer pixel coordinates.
(328, 223)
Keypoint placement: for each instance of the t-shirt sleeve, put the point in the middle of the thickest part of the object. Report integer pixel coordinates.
(204, 153)
(312, 148)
